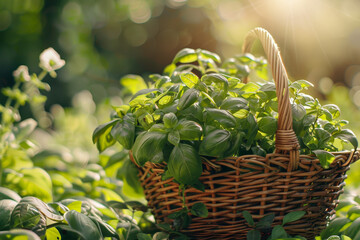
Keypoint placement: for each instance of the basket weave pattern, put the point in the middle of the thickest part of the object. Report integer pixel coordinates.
(279, 183)
(257, 184)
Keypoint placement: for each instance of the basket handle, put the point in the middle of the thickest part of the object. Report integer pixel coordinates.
(285, 139)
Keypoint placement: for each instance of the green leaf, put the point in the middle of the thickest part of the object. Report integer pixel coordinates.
(268, 125)
(148, 146)
(215, 143)
(75, 205)
(124, 131)
(298, 111)
(161, 236)
(210, 55)
(143, 236)
(354, 229)
(117, 205)
(334, 227)
(234, 104)
(223, 117)
(216, 78)
(248, 218)
(278, 232)
(128, 173)
(185, 164)
(6, 208)
(199, 209)
(325, 158)
(16, 159)
(322, 136)
(6, 193)
(42, 207)
(348, 136)
(189, 79)
(253, 235)
(293, 216)
(25, 215)
(186, 55)
(137, 206)
(24, 129)
(174, 137)
(170, 120)
(188, 98)
(353, 213)
(83, 224)
(52, 234)
(265, 222)
(133, 83)
(343, 237)
(189, 130)
(242, 113)
(31, 181)
(106, 229)
(144, 92)
(334, 237)
(102, 136)
(18, 233)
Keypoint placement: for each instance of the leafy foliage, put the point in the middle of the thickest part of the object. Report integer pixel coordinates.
(202, 107)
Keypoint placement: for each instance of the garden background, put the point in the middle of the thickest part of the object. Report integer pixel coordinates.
(101, 41)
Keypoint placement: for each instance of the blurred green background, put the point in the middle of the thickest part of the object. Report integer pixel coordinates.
(105, 39)
(102, 40)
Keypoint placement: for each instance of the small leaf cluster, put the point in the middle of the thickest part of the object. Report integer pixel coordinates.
(346, 225)
(264, 230)
(201, 108)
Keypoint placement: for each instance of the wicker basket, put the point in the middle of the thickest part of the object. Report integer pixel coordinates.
(279, 183)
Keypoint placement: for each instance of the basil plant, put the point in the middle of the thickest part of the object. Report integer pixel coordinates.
(200, 108)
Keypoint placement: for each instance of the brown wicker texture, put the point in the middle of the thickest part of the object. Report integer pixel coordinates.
(279, 183)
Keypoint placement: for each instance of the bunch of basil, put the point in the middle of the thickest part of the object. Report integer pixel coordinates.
(201, 108)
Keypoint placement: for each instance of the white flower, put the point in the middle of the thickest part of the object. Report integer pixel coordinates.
(22, 73)
(50, 60)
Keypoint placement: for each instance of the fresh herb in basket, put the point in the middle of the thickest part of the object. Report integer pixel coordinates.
(201, 108)
(261, 147)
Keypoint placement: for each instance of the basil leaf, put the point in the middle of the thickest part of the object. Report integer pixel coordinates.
(298, 111)
(248, 218)
(225, 118)
(102, 136)
(189, 130)
(83, 224)
(292, 217)
(334, 227)
(199, 209)
(148, 147)
(170, 120)
(253, 235)
(216, 78)
(268, 125)
(353, 230)
(174, 137)
(124, 131)
(186, 55)
(188, 98)
(348, 136)
(234, 104)
(322, 136)
(144, 92)
(278, 232)
(189, 79)
(184, 164)
(6, 208)
(215, 143)
(325, 158)
(210, 55)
